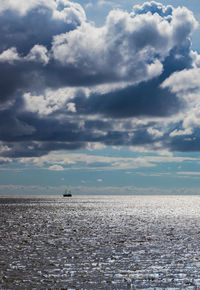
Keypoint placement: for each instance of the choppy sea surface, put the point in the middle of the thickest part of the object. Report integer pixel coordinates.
(100, 242)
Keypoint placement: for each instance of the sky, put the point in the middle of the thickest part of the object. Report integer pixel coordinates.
(102, 97)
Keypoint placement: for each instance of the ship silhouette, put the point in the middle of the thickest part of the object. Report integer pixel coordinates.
(67, 193)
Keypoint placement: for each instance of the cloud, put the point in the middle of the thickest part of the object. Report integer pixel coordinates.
(183, 81)
(22, 7)
(185, 136)
(39, 54)
(29, 18)
(88, 5)
(56, 168)
(76, 161)
(103, 3)
(188, 173)
(145, 99)
(73, 85)
(127, 48)
(10, 55)
(154, 7)
(26, 32)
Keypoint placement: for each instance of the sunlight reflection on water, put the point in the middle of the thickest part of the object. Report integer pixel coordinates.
(104, 242)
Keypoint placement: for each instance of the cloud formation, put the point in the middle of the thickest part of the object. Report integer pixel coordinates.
(62, 161)
(66, 84)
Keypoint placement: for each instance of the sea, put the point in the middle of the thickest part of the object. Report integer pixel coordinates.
(100, 242)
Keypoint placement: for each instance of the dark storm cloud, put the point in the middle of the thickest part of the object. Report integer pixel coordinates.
(16, 79)
(185, 143)
(35, 27)
(49, 46)
(27, 127)
(146, 99)
(27, 134)
(34, 149)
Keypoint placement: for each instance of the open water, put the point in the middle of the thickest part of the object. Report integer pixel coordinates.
(131, 242)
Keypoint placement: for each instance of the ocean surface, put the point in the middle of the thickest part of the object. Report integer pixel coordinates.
(100, 242)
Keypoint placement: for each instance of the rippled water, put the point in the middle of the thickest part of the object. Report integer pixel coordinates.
(133, 242)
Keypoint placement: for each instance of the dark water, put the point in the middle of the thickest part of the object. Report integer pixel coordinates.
(100, 242)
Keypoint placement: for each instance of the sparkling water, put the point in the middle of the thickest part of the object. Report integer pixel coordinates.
(100, 242)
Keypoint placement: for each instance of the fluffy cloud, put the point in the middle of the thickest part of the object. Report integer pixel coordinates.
(183, 81)
(10, 55)
(129, 47)
(186, 85)
(66, 84)
(106, 54)
(27, 29)
(27, 23)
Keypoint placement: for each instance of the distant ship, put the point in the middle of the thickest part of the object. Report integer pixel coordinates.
(67, 193)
